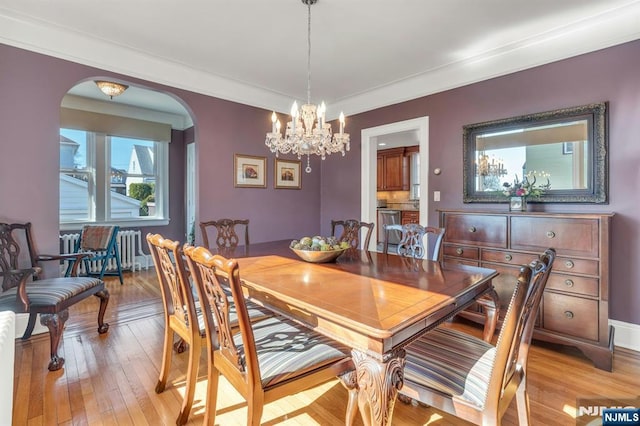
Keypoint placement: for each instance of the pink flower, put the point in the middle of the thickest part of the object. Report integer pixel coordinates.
(521, 192)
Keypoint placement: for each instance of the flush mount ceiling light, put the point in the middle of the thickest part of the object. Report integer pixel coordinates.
(111, 88)
(301, 136)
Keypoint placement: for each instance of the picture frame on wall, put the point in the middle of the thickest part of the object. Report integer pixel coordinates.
(567, 148)
(249, 171)
(287, 174)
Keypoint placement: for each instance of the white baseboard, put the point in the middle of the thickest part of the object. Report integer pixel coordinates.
(626, 335)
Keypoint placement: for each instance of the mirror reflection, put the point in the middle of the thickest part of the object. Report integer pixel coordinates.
(564, 150)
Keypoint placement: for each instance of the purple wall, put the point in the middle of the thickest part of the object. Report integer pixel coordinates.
(32, 86)
(608, 75)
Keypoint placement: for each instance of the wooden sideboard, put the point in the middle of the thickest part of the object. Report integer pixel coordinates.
(575, 305)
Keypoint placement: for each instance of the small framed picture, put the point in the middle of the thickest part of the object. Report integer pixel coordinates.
(287, 174)
(250, 171)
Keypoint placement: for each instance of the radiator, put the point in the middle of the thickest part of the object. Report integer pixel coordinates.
(7, 360)
(130, 258)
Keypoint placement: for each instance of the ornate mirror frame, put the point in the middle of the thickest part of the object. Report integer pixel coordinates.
(596, 147)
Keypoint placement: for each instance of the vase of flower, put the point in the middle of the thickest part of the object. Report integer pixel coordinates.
(518, 204)
(519, 190)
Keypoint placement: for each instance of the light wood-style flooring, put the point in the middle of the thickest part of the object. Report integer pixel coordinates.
(110, 379)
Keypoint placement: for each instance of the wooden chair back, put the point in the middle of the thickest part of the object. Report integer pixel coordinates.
(49, 299)
(412, 242)
(11, 256)
(99, 244)
(212, 274)
(351, 230)
(180, 314)
(224, 234)
(237, 357)
(490, 376)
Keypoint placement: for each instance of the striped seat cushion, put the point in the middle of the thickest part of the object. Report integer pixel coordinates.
(51, 291)
(286, 349)
(451, 362)
(256, 312)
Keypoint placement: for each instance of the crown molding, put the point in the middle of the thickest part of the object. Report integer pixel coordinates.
(608, 29)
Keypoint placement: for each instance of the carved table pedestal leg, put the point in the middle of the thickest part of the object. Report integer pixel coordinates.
(378, 384)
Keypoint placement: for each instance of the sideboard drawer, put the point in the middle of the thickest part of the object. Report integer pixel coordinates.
(577, 237)
(464, 252)
(483, 230)
(511, 258)
(571, 315)
(573, 284)
(576, 266)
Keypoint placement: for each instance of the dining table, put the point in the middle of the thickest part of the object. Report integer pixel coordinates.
(374, 303)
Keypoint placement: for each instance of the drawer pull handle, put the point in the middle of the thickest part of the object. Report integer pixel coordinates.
(568, 283)
(472, 229)
(551, 234)
(569, 264)
(459, 251)
(508, 257)
(568, 314)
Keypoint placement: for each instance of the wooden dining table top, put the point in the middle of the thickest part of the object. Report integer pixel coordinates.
(371, 301)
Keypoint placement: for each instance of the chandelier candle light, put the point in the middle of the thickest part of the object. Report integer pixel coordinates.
(301, 136)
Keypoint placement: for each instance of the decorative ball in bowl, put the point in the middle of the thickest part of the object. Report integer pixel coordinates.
(318, 249)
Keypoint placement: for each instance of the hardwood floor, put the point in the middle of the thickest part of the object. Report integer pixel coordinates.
(110, 379)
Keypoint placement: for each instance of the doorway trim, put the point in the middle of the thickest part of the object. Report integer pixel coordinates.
(368, 166)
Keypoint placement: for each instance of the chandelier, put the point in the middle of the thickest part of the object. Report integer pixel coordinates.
(111, 88)
(307, 133)
(490, 166)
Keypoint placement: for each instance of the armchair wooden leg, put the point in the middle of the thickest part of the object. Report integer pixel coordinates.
(30, 325)
(522, 403)
(491, 307)
(180, 346)
(192, 379)
(350, 381)
(213, 377)
(255, 406)
(166, 359)
(103, 295)
(55, 324)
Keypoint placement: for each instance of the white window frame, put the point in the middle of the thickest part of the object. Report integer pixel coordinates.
(99, 186)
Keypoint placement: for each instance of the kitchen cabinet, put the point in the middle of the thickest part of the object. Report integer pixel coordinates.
(392, 170)
(410, 216)
(575, 305)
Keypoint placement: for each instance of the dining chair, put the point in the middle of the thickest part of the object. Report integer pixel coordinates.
(24, 290)
(267, 359)
(351, 229)
(183, 316)
(100, 246)
(412, 240)
(225, 234)
(470, 378)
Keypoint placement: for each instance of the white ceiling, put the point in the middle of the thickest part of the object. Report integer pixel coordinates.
(365, 54)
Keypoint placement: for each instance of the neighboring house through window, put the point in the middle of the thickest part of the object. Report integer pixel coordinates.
(112, 179)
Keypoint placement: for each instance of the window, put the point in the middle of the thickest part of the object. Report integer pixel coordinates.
(107, 178)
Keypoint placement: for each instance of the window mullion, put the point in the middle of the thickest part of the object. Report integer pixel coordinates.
(102, 176)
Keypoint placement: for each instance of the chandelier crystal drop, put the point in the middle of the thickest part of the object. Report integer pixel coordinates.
(307, 133)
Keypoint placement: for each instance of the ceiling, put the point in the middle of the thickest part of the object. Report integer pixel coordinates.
(364, 54)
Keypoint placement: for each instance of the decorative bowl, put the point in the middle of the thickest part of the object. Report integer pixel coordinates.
(319, 256)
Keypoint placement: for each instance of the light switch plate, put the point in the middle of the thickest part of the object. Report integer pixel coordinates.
(436, 195)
